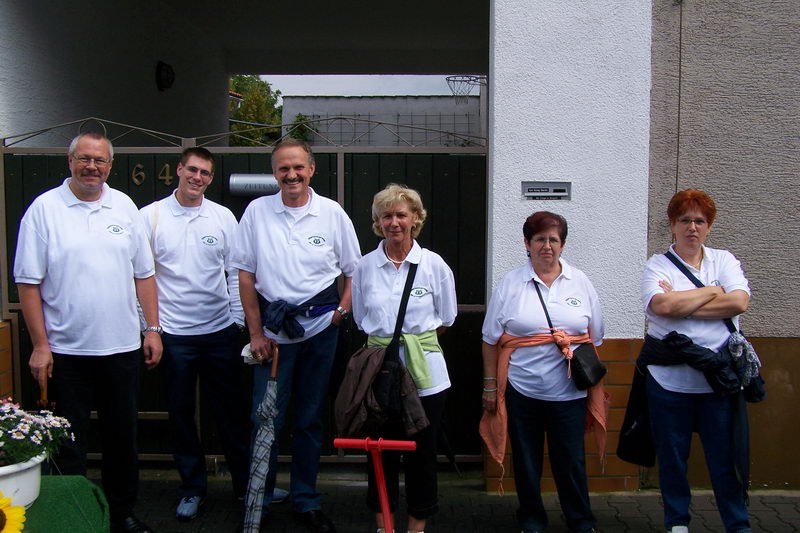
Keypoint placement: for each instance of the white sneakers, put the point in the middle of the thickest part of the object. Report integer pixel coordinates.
(188, 508)
(279, 495)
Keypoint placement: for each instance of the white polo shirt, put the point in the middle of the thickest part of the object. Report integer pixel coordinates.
(719, 267)
(377, 290)
(539, 371)
(192, 250)
(295, 259)
(84, 256)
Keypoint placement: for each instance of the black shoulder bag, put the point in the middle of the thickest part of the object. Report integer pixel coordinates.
(754, 388)
(388, 381)
(587, 369)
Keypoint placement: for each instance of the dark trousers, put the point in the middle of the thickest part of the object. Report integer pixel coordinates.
(673, 418)
(215, 359)
(110, 384)
(528, 420)
(422, 491)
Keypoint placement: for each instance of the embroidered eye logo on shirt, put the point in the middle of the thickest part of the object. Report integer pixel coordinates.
(209, 240)
(316, 240)
(419, 292)
(115, 229)
(716, 282)
(574, 302)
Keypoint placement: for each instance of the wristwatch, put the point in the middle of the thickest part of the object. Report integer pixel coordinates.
(157, 329)
(342, 311)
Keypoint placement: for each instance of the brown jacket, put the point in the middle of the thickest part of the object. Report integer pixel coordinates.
(356, 405)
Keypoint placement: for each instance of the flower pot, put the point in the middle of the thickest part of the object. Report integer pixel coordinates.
(21, 481)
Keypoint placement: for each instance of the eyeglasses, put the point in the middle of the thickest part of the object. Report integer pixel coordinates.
(203, 172)
(98, 161)
(696, 221)
(541, 241)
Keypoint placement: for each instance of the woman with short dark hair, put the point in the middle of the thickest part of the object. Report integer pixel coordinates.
(526, 373)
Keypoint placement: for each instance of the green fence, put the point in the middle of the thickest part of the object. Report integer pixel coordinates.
(453, 188)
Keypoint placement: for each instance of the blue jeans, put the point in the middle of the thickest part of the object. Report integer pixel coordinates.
(304, 369)
(215, 359)
(528, 420)
(674, 416)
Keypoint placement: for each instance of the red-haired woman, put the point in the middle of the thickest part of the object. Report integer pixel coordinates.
(683, 398)
(526, 379)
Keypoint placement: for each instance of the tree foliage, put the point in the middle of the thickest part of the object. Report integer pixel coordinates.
(259, 105)
(300, 128)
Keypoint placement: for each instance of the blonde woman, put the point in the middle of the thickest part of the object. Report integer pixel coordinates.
(378, 281)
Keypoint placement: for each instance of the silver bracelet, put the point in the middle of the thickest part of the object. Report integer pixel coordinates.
(489, 379)
(490, 390)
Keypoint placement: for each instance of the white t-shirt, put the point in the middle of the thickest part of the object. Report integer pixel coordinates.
(192, 249)
(295, 260)
(84, 256)
(377, 291)
(719, 267)
(540, 372)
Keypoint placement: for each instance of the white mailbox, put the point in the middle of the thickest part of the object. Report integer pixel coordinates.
(547, 190)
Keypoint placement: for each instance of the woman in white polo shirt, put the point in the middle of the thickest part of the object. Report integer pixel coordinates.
(526, 379)
(378, 283)
(680, 398)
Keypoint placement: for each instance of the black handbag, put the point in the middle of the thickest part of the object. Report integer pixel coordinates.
(586, 367)
(389, 379)
(635, 444)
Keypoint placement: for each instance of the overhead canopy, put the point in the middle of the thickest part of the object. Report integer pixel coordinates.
(325, 37)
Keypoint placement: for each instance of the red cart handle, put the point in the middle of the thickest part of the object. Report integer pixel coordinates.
(380, 444)
(374, 447)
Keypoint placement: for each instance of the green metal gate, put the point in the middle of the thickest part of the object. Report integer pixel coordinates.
(453, 187)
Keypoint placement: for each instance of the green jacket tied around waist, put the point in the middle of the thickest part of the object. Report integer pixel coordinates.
(416, 345)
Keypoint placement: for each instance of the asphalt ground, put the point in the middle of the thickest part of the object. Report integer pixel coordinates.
(464, 506)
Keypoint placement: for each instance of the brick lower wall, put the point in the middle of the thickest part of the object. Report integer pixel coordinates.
(773, 425)
(619, 355)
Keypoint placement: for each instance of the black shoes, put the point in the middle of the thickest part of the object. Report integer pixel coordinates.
(129, 524)
(315, 521)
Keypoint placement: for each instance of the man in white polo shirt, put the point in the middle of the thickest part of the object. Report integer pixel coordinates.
(291, 248)
(82, 259)
(199, 308)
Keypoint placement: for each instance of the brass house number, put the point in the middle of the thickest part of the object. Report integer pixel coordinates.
(138, 175)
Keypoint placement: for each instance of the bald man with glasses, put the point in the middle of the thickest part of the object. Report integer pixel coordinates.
(82, 261)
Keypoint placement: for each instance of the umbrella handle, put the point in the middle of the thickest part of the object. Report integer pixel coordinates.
(43, 403)
(274, 372)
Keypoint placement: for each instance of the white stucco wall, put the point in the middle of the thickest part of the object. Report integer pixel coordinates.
(569, 98)
(63, 61)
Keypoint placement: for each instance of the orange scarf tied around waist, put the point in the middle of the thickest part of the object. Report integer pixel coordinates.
(493, 427)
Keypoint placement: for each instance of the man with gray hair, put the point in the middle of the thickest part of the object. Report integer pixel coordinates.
(291, 249)
(82, 260)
